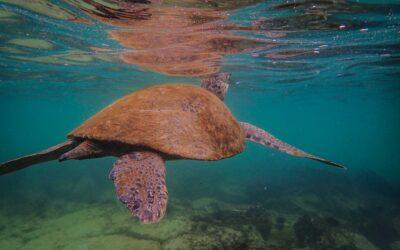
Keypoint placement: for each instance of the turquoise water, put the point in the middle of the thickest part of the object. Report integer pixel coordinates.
(320, 75)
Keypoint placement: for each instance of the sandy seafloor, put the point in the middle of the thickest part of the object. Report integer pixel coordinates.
(209, 208)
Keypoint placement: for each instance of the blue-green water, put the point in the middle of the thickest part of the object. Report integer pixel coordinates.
(321, 75)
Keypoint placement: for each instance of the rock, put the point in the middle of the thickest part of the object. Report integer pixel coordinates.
(327, 233)
(395, 245)
(378, 225)
(396, 224)
(192, 241)
(308, 231)
(308, 202)
(115, 242)
(214, 237)
(206, 205)
(260, 218)
(280, 223)
(282, 233)
(360, 242)
(226, 215)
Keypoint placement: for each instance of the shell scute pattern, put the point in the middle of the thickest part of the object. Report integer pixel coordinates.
(181, 120)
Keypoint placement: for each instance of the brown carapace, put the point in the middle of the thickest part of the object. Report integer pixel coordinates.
(152, 125)
(179, 120)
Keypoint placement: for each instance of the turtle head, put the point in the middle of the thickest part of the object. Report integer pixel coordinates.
(217, 83)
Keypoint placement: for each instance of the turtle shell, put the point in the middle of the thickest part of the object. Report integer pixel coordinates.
(180, 120)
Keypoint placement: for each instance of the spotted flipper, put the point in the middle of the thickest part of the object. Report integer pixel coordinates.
(139, 179)
(217, 83)
(46, 155)
(263, 137)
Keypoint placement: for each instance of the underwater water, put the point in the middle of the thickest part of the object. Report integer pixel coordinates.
(320, 75)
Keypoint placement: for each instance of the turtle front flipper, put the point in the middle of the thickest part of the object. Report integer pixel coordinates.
(262, 137)
(139, 179)
(49, 154)
(217, 83)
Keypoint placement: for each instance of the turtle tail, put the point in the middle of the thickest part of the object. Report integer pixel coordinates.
(49, 154)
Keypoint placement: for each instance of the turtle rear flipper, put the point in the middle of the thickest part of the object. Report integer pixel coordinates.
(139, 179)
(85, 150)
(262, 137)
(49, 154)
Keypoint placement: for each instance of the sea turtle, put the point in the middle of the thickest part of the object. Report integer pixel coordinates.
(152, 125)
